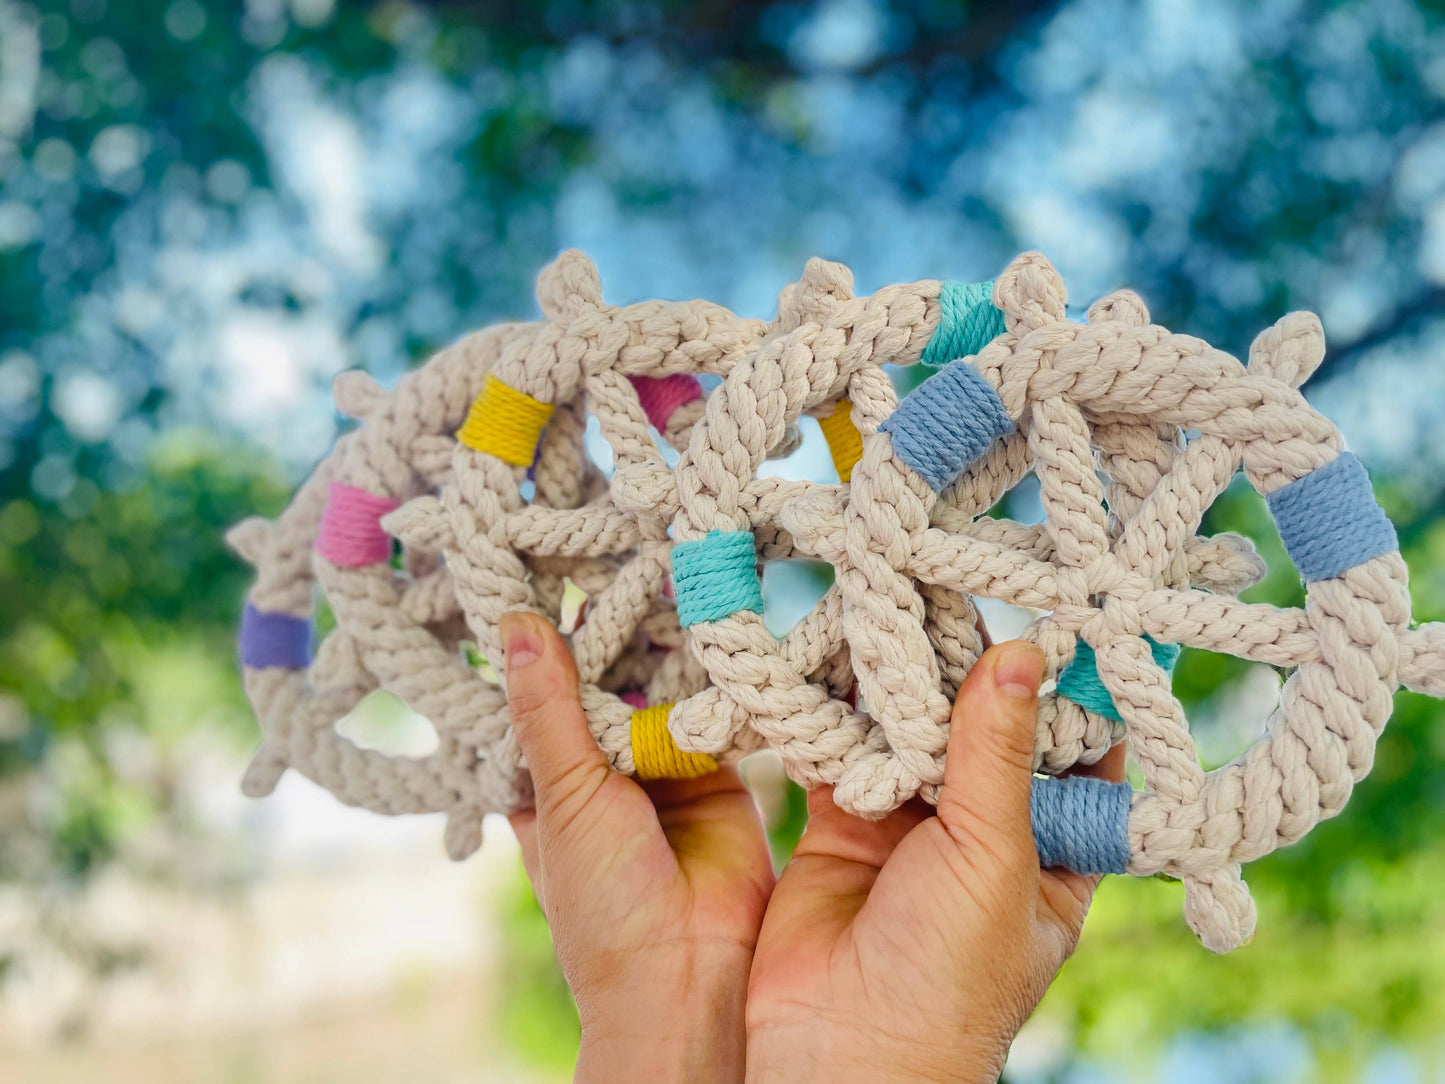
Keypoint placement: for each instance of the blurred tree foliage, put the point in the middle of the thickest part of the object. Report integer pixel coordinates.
(184, 185)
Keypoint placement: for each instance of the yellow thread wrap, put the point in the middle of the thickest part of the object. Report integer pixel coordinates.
(505, 422)
(844, 441)
(656, 755)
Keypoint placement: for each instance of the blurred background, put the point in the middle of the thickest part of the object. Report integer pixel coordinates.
(209, 208)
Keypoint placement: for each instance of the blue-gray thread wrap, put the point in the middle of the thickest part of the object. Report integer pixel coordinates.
(1329, 520)
(947, 422)
(1081, 823)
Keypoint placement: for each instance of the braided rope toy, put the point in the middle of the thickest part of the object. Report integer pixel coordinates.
(858, 693)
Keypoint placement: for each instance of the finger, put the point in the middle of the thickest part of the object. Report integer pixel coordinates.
(714, 813)
(1109, 767)
(667, 793)
(984, 638)
(832, 870)
(832, 833)
(989, 771)
(565, 762)
(524, 827)
(1064, 899)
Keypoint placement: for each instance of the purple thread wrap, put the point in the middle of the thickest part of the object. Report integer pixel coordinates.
(274, 640)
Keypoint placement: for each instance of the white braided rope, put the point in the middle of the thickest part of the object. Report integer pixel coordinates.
(858, 693)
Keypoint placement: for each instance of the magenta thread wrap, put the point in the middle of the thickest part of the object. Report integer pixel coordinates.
(661, 396)
(351, 534)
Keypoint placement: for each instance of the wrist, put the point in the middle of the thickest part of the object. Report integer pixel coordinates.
(827, 1050)
(668, 1019)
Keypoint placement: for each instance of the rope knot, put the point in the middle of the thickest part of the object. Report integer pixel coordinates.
(1075, 586)
(1120, 617)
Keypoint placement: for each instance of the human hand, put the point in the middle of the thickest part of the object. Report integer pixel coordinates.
(654, 892)
(915, 947)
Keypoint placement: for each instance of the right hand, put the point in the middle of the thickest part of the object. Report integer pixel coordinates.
(915, 947)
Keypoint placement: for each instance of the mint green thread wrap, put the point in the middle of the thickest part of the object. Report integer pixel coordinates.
(1080, 682)
(969, 322)
(715, 577)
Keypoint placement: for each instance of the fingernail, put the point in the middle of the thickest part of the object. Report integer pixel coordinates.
(520, 639)
(1018, 670)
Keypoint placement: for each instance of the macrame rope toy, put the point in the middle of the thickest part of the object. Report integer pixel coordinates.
(910, 635)
(1115, 392)
(857, 694)
(1116, 584)
(396, 627)
(629, 368)
(398, 623)
(492, 536)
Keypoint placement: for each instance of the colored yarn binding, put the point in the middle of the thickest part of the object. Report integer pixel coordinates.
(715, 577)
(661, 396)
(656, 755)
(946, 423)
(274, 640)
(845, 443)
(969, 321)
(1081, 824)
(505, 423)
(1080, 681)
(351, 533)
(1329, 520)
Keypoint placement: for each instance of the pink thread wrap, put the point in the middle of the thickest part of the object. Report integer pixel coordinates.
(351, 534)
(661, 395)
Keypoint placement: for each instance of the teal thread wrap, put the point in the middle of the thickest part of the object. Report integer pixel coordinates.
(1329, 520)
(969, 322)
(1080, 682)
(1081, 823)
(947, 422)
(715, 577)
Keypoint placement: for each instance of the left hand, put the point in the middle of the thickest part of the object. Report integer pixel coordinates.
(654, 892)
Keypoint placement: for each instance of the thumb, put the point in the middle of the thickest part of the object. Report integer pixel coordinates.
(989, 771)
(567, 766)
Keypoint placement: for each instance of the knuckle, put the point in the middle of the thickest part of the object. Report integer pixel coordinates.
(564, 802)
(1003, 846)
(1010, 739)
(527, 701)
(537, 696)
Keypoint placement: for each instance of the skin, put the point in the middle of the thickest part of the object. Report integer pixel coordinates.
(654, 892)
(910, 948)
